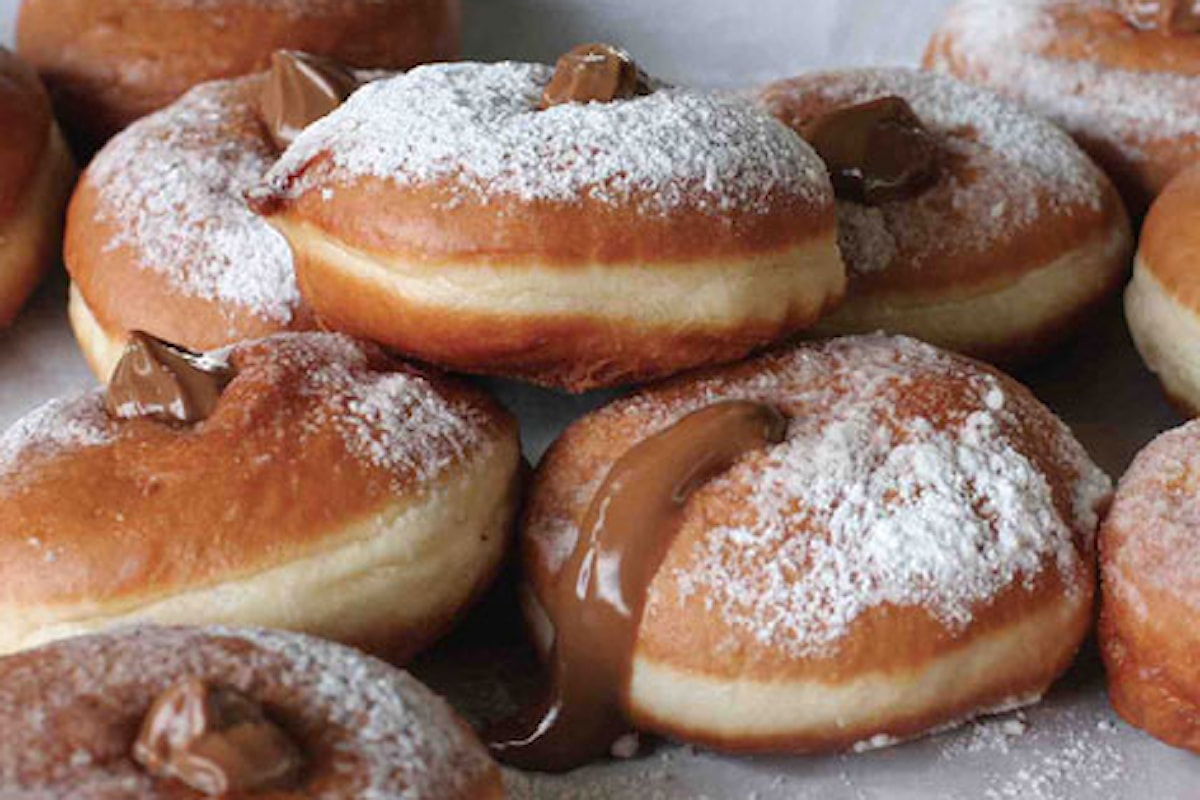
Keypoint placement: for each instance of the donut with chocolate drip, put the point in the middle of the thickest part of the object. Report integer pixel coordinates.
(917, 549)
(1125, 85)
(358, 727)
(1010, 243)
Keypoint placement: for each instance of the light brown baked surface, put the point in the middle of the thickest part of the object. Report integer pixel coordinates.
(109, 62)
(36, 174)
(1169, 245)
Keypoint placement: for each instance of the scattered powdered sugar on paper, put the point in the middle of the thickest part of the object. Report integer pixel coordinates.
(479, 126)
(396, 420)
(1048, 754)
(172, 185)
(1155, 521)
(987, 735)
(864, 504)
(398, 738)
(1000, 42)
(60, 424)
(1021, 167)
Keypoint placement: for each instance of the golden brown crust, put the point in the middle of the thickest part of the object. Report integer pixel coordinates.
(317, 444)
(25, 122)
(1169, 246)
(692, 632)
(1150, 615)
(36, 174)
(438, 223)
(73, 710)
(1090, 41)
(571, 350)
(110, 62)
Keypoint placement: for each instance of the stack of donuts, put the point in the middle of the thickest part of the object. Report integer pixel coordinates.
(819, 518)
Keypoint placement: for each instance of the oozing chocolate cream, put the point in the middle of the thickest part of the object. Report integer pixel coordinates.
(300, 89)
(216, 740)
(876, 152)
(626, 533)
(594, 73)
(161, 381)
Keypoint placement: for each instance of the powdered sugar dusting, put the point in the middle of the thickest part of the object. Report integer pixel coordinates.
(871, 500)
(1000, 41)
(1012, 168)
(61, 424)
(396, 420)
(376, 723)
(479, 125)
(1155, 521)
(392, 417)
(172, 186)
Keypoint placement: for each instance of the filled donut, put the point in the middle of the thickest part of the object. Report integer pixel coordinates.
(159, 237)
(1150, 573)
(303, 481)
(963, 220)
(36, 173)
(218, 712)
(109, 62)
(1121, 76)
(835, 545)
(1162, 303)
(577, 226)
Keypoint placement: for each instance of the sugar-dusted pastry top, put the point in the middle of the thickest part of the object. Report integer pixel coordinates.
(479, 128)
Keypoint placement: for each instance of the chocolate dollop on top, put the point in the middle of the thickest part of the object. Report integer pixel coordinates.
(300, 89)
(216, 740)
(595, 73)
(158, 380)
(1168, 16)
(876, 152)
